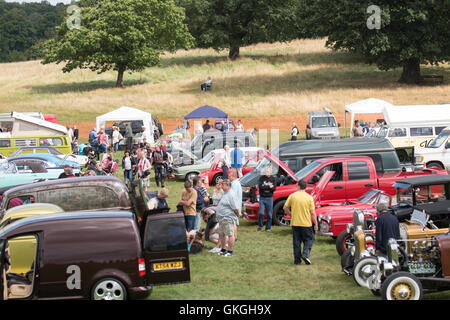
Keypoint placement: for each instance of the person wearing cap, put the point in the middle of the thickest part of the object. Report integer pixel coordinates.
(387, 227)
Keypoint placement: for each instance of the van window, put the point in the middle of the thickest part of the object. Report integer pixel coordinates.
(358, 170)
(437, 130)
(397, 132)
(50, 142)
(390, 161)
(377, 161)
(80, 198)
(5, 143)
(165, 235)
(31, 142)
(18, 201)
(19, 261)
(423, 131)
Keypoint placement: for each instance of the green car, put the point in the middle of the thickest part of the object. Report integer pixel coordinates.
(189, 171)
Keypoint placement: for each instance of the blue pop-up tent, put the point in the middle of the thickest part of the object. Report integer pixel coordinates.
(206, 112)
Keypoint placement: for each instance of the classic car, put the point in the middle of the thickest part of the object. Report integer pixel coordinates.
(252, 155)
(27, 171)
(414, 265)
(93, 255)
(187, 172)
(82, 160)
(49, 158)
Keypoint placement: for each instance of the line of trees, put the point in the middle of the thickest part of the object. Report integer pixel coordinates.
(129, 35)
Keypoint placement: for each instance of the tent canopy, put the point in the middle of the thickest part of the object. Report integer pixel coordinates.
(206, 112)
(126, 113)
(370, 105)
(418, 115)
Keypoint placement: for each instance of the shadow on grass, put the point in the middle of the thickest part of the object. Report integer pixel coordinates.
(353, 76)
(83, 86)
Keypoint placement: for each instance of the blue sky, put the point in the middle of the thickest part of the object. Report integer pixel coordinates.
(50, 1)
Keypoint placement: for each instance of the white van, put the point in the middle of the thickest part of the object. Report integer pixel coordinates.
(437, 153)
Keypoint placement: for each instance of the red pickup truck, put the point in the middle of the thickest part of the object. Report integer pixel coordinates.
(354, 176)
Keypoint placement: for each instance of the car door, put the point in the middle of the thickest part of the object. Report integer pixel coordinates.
(358, 179)
(165, 249)
(335, 189)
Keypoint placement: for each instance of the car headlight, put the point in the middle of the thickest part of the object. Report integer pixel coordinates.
(418, 159)
(329, 220)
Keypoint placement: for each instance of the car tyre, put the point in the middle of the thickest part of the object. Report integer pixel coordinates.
(436, 165)
(190, 176)
(109, 289)
(278, 214)
(401, 286)
(363, 269)
(347, 262)
(216, 178)
(342, 240)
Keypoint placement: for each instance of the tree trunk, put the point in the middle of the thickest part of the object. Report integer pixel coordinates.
(411, 72)
(234, 52)
(119, 83)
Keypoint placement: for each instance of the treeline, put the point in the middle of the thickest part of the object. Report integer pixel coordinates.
(24, 25)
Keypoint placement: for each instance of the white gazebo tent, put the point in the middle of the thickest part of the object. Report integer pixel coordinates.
(370, 105)
(417, 115)
(125, 113)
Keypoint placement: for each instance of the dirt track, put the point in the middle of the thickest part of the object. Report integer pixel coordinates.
(280, 123)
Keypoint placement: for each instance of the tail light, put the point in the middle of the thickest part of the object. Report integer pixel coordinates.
(141, 267)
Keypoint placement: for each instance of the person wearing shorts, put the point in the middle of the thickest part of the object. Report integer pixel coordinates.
(227, 213)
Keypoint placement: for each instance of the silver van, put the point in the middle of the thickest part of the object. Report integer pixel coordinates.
(323, 125)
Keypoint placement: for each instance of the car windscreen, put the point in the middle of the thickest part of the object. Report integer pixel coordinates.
(303, 173)
(323, 122)
(252, 178)
(439, 140)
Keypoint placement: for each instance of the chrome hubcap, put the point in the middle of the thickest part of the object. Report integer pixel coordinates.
(109, 290)
(402, 291)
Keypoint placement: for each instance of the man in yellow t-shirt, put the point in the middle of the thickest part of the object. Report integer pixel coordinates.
(300, 206)
(188, 201)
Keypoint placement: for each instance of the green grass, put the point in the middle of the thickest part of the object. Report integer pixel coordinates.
(262, 267)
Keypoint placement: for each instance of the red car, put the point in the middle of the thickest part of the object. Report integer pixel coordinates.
(251, 154)
(354, 176)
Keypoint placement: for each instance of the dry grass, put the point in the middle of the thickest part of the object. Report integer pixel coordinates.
(280, 79)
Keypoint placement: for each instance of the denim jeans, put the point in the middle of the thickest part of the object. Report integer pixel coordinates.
(266, 203)
(189, 222)
(225, 172)
(299, 235)
(198, 221)
(128, 175)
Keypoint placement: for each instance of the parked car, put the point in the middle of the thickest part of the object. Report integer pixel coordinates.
(353, 177)
(96, 255)
(50, 159)
(10, 145)
(252, 155)
(437, 153)
(416, 264)
(26, 171)
(82, 193)
(187, 172)
(213, 140)
(323, 125)
(82, 160)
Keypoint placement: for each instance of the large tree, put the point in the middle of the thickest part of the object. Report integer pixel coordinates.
(231, 24)
(409, 33)
(120, 35)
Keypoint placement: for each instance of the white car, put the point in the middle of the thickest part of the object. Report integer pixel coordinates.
(437, 153)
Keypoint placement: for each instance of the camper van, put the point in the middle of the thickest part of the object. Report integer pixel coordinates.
(10, 145)
(437, 153)
(414, 126)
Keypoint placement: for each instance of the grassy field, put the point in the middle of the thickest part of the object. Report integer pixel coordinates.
(262, 268)
(270, 80)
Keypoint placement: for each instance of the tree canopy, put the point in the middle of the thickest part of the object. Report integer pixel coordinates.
(231, 24)
(410, 33)
(120, 35)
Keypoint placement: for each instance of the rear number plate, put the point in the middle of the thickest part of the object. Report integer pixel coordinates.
(165, 266)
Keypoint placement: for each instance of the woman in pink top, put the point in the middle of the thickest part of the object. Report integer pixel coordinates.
(144, 168)
(102, 142)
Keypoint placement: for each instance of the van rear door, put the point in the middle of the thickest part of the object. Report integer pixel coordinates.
(165, 249)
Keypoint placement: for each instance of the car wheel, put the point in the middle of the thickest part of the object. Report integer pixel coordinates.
(376, 293)
(435, 165)
(363, 269)
(347, 262)
(401, 286)
(343, 240)
(216, 178)
(109, 289)
(278, 214)
(190, 176)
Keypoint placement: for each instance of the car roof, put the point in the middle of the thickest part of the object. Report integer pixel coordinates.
(32, 209)
(422, 181)
(360, 144)
(64, 216)
(49, 183)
